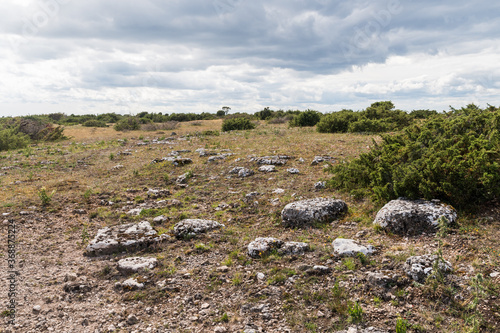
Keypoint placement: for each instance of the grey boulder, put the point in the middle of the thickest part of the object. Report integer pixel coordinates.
(305, 212)
(413, 217)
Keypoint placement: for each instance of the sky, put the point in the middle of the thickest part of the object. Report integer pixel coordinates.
(124, 56)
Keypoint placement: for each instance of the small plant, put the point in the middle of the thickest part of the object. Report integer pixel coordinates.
(200, 247)
(349, 264)
(401, 325)
(85, 236)
(111, 156)
(443, 228)
(363, 258)
(355, 313)
(45, 197)
(236, 280)
(224, 318)
(87, 194)
(135, 173)
(312, 327)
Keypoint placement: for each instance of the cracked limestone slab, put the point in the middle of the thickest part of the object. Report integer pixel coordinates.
(123, 237)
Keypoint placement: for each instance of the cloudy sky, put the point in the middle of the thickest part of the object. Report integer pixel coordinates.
(128, 56)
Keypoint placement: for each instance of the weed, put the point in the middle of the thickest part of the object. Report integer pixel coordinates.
(401, 325)
(312, 327)
(236, 280)
(355, 313)
(85, 236)
(45, 197)
(111, 156)
(224, 318)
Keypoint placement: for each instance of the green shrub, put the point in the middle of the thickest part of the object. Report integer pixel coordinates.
(11, 139)
(237, 124)
(127, 124)
(454, 157)
(306, 118)
(337, 122)
(377, 118)
(94, 123)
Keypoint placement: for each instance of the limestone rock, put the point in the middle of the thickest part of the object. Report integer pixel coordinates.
(192, 227)
(413, 217)
(320, 185)
(348, 248)
(419, 267)
(182, 161)
(267, 168)
(262, 246)
(126, 236)
(292, 248)
(320, 159)
(293, 170)
(305, 212)
(136, 264)
(130, 284)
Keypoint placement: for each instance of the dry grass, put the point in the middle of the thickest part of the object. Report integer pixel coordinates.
(76, 170)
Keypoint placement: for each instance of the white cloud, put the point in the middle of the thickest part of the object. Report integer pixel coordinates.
(194, 56)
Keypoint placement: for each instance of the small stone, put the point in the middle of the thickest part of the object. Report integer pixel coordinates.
(223, 269)
(205, 306)
(349, 247)
(220, 329)
(293, 170)
(494, 274)
(132, 320)
(37, 309)
(260, 276)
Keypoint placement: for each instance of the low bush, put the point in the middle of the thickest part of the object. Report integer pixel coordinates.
(306, 118)
(11, 139)
(377, 118)
(231, 124)
(166, 126)
(94, 123)
(454, 157)
(337, 122)
(127, 124)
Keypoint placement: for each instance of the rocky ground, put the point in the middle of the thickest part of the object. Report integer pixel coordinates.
(251, 268)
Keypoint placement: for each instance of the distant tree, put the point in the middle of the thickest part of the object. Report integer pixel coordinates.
(226, 109)
(221, 113)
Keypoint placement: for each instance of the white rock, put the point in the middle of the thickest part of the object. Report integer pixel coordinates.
(125, 236)
(135, 211)
(136, 264)
(293, 170)
(349, 247)
(419, 267)
(267, 168)
(262, 246)
(192, 227)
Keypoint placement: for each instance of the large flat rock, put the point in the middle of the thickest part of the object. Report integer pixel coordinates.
(306, 212)
(193, 227)
(123, 237)
(413, 217)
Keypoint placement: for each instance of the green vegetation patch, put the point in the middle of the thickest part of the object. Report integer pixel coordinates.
(453, 157)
